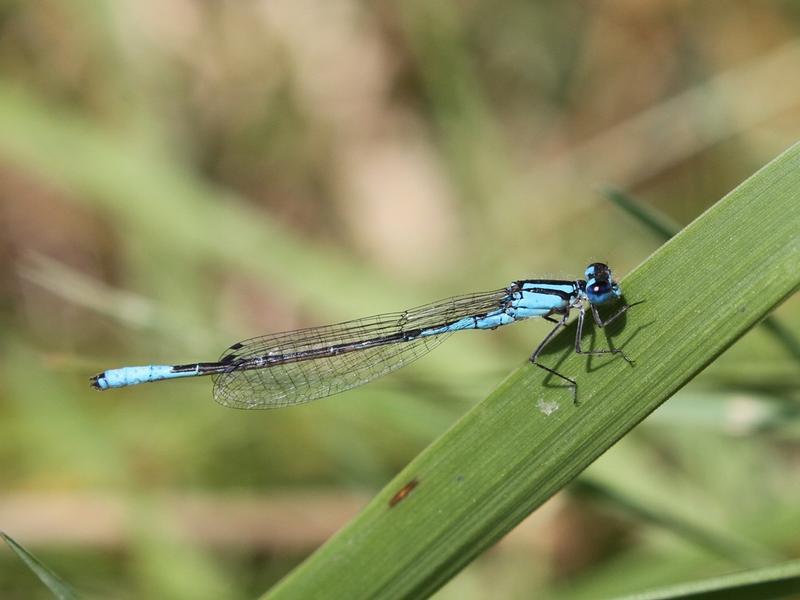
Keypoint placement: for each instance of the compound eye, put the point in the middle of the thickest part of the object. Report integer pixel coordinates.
(599, 292)
(598, 271)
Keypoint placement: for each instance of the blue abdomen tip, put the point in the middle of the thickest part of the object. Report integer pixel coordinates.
(116, 378)
(99, 381)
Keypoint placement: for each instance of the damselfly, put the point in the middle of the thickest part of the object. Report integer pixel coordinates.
(289, 368)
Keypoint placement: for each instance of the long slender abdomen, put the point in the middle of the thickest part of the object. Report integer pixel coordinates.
(116, 378)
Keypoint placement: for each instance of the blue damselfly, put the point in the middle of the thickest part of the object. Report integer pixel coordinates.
(295, 367)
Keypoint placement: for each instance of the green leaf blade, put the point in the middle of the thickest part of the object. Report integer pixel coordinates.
(703, 290)
(53, 582)
(779, 581)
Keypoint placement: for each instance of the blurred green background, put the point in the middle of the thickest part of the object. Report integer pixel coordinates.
(175, 176)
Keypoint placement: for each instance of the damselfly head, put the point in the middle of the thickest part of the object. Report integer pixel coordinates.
(600, 285)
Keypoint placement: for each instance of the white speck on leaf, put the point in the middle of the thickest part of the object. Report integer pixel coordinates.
(547, 408)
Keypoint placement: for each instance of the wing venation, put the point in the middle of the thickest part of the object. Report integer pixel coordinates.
(344, 355)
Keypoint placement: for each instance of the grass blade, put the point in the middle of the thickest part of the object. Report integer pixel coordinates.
(53, 582)
(703, 289)
(699, 535)
(665, 228)
(782, 334)
(658, 223)
(781, 581)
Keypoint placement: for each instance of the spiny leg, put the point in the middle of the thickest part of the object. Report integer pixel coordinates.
(599, 320)
(600, 323)
(535, 356)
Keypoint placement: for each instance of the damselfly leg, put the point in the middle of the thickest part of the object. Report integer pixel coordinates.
(599, 320)
(578, 335)
(535, 356)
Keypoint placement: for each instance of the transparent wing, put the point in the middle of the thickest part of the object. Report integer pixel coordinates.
(289, 368)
